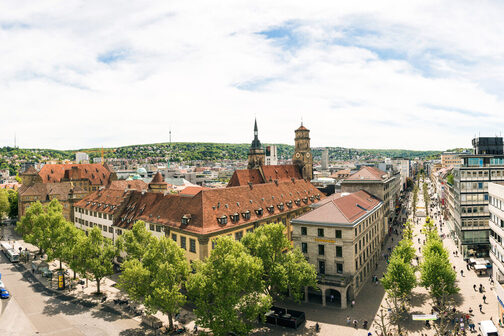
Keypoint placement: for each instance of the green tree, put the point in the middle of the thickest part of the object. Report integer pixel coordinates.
(449, 179)
(285, 269)
(39, 221)
(157, 276)
(13, 203)
(98, 253)
(398, 281)
(4, 203)
(404, 250)
(408, 231)
(227, 289)
(134, 241)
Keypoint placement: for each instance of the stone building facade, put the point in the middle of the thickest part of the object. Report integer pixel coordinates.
(342, 238)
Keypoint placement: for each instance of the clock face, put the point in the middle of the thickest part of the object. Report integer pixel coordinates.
(298, 155)
(308, 155)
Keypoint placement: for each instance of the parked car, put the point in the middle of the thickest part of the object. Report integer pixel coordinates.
(4, 293)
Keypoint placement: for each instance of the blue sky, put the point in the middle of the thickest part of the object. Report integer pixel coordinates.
(361, 74)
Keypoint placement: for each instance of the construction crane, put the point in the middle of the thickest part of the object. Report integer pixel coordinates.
(101, 151)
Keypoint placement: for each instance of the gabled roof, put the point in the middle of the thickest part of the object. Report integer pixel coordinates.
(344, 208)
(191, 190)
(281, 172)
(208, 205)
(265, 174)
(42, 190)
(369, 174)
(128, 184)
(30, 171)
(96, 173)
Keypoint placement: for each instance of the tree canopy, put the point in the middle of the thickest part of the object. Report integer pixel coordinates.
(285, 269)
(228, 289)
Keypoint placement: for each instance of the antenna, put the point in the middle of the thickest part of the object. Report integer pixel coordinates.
(14, 140)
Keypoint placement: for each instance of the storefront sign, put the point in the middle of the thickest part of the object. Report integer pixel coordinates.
(325, 240)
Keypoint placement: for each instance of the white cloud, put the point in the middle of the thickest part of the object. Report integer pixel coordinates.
(365, 74)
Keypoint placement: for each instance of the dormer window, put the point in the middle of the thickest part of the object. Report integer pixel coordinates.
(270, 208)
(312, 198)
(246, 215)
(235, 217)
(317, 196)
(280, 206)
(305, 200)
(259, 211)
(222, 220)
(186, 219)
(298, 201)
(289, 204)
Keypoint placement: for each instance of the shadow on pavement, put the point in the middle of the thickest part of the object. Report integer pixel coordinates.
(137, 332)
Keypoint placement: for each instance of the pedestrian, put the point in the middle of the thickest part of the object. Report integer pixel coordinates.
(353, 303)
(462, 272)
(467, 266)
(470, 310)
(418, 240)
(348, 320)
(419, 249)
(364, 324)
(481, 307)
(355, 323)
(332, 298)
(454, 268)
(484, 298)
(317, 327)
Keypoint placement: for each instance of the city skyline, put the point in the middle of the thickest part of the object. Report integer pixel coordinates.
(422, 76)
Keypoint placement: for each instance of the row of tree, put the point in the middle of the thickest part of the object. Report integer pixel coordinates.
(90, 255)
(8, 203)
(230, 289)
(436, 275)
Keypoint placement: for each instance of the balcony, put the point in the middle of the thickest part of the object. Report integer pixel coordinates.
(334, 280)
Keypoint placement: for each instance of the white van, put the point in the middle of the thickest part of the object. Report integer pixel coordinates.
(487, 328)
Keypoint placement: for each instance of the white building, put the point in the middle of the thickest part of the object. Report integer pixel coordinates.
(81, 157)
(271, 156)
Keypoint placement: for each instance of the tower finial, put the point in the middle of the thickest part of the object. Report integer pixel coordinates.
(301, 120)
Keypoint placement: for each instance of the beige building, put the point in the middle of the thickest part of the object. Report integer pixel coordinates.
(450, 159)
(385, 186)
(342, 238)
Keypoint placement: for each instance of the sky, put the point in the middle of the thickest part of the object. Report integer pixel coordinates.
(362, 74)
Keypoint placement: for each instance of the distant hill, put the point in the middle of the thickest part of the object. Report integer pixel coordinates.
(191, 151)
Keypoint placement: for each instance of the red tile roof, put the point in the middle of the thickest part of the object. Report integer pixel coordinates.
(264, 174)
(281, 172)
(128, 184)
(96, 173)
(43, 190)
(209, 204)
(368, 173)
(191, 190)
(158, 178)
(344, 208)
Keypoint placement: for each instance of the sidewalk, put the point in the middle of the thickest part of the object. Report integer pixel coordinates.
(86, 294)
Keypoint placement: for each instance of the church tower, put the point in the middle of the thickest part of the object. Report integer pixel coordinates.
(256, 156)
(302, 152)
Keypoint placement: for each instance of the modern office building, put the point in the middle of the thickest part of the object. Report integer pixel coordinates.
(470, 189)
(271, 155)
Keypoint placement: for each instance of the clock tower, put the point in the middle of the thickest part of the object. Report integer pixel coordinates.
(302, 153)
(256, 156)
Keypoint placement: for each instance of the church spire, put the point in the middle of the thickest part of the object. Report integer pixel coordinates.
(256, 143)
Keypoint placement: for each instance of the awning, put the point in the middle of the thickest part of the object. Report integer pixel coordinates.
(479, 267)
